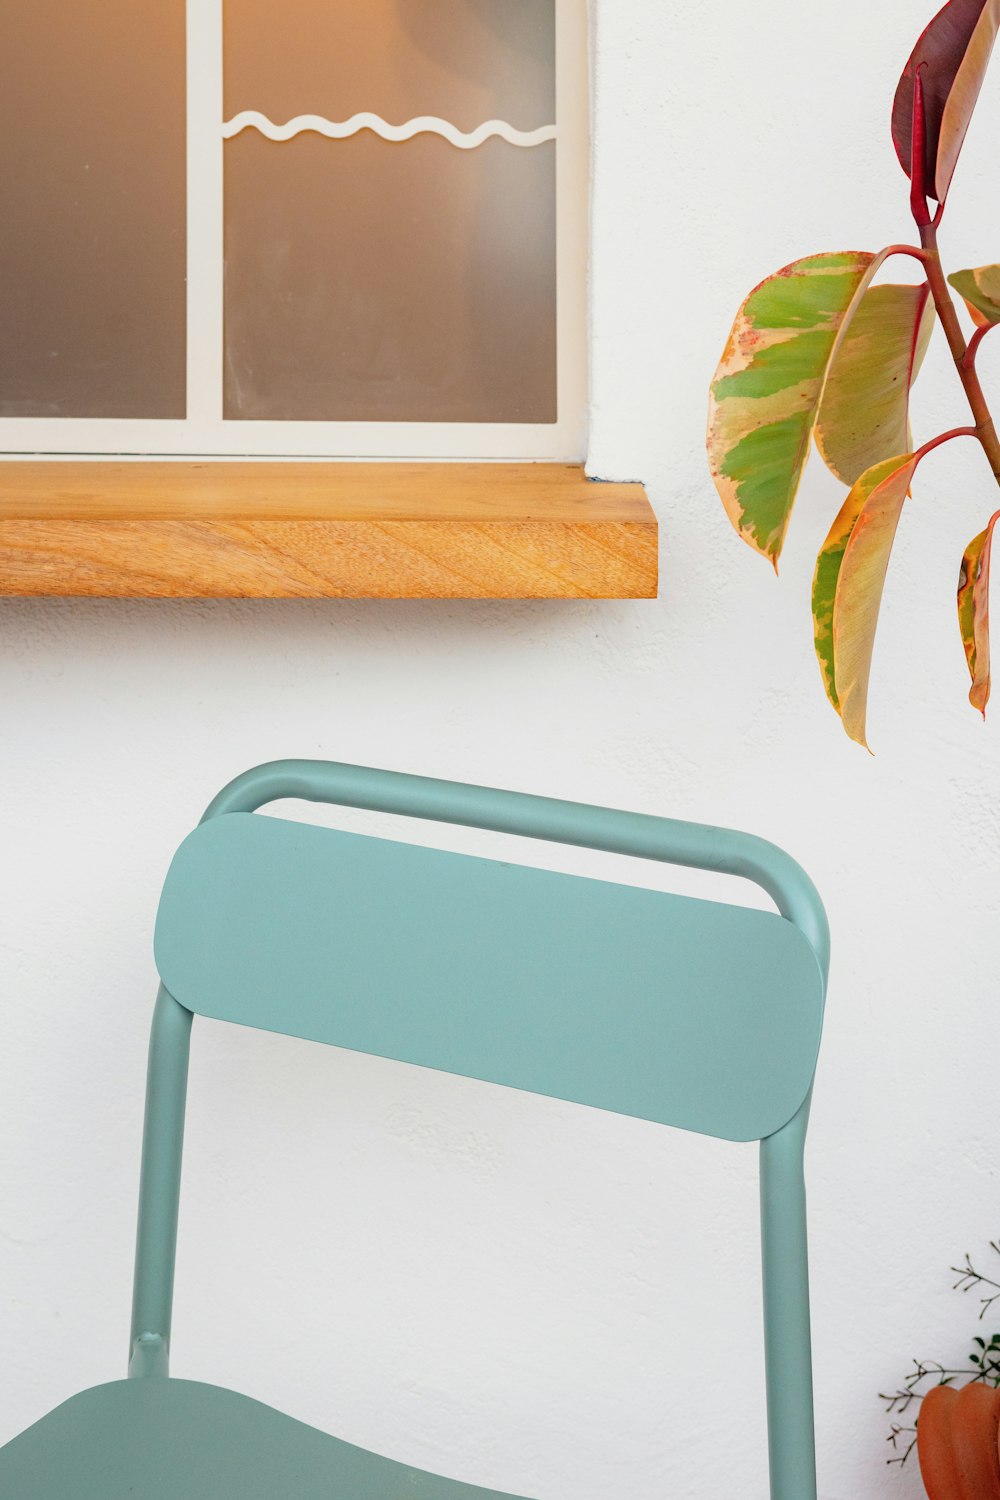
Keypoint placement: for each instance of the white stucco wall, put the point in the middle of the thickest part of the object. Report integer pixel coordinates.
(537, 1298)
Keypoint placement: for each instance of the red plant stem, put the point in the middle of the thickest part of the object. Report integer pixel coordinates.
(967, 373)
(914, 250)
(945, 437)
(969, 358)
(964, 354)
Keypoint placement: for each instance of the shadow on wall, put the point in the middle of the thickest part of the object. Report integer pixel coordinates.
(74, 621)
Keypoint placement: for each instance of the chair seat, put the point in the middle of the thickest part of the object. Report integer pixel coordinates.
(163, 1439)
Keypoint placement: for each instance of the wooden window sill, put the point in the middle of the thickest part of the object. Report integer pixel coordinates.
(293, 530)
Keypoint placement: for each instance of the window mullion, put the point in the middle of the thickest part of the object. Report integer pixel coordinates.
(205, 244)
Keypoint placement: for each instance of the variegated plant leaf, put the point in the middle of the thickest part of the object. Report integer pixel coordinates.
(864, 413)
(847, 585)
(824, 589)
(860, 583)
(952, 55)
(974, 613)
(981, 289)
(768, 386)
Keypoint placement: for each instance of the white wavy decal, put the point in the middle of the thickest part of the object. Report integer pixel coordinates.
(252, 119)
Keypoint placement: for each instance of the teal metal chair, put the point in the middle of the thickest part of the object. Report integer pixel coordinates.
(676, 1010)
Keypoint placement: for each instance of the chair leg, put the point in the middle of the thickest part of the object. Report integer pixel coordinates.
(159, 1187)
(790, 1422)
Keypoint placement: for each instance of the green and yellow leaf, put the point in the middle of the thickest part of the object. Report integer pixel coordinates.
(768, 386)
(824, 589)
(974, 613)
(848, 582)
(864, 412)
(981, 289)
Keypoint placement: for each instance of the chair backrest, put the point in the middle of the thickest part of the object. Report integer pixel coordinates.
(682, 1011)
(678, 1010)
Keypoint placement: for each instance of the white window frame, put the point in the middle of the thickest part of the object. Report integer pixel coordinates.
(205, 433)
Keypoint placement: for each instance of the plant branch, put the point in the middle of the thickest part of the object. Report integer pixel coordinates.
(917, 252)
(945, 437)
(969, 359)
(985, 430)
(897, 1432)
(968, 1276)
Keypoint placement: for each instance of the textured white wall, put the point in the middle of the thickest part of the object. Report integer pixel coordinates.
(543, 1299)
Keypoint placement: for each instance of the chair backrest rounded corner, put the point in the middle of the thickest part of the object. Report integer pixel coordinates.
(792, 890)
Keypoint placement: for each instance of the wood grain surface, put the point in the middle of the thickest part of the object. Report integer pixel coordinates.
(281, 530)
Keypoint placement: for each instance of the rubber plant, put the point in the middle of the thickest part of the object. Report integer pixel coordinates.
(818, 352)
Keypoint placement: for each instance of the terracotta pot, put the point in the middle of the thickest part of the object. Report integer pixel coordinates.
(957, 1437)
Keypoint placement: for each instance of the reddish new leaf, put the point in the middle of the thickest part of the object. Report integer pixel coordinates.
(951, 56)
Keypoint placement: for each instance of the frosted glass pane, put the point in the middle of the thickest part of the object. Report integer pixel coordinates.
(372, 281)
(92, 208)
(465, 60)
(369, 280)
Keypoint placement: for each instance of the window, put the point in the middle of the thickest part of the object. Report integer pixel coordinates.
(317, 227)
